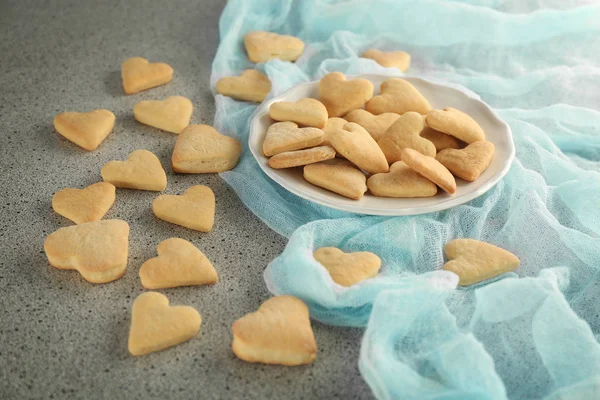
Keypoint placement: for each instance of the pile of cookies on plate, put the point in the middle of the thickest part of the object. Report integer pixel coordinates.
(406, 148)
(279, 332)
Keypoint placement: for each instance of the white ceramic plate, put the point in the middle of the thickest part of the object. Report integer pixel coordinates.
(497, 131)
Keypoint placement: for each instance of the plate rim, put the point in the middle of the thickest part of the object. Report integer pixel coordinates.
(444, 205)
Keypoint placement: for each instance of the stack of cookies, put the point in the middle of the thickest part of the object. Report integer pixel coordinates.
(393, 144)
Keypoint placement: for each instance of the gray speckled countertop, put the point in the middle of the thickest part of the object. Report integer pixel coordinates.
(61, 337)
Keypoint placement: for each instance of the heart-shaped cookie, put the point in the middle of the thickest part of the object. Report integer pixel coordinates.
(97, 250)
(251, 85)
(286, 136)
(179, 263)
(430, 168)
(398, 96)
(263, 46)
(194, 209)
(468, 163)
(401, 181)
(340, 95)
(84, 205)
(338, 176)
(405, 133)
(142, 171)
(278, 333)
(87, 130)
(456, 123)
(391, 59)
(155, 326)
(474, 261)
(201, 149)
(297, 158)
(440, 140)
(307, 112)
(348, 269)
(171, 114)
(138, 74)
(376, 125)
(355, 144)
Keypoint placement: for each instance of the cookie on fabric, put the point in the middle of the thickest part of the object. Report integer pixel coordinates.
(138, 74)
(179, 263)
(430, 168)
(456, 123)
(401, 181)
(194, 209)
(398, 96)
(405, 133)
(376, 125)
(88, 129)
(470, 162)
(348, 269)
(84, 205)
(340, 95)
(156, 326)
(286, 136)
(263, 46)
(338, 176)
(142, 170)
(279, 332)
(475, 261)
(201, 149)
(355, 144)
(251, 85)
(440, 140)
(306, 112)
(97, 250)
(390, 59)
(172, 114)
(298, 158)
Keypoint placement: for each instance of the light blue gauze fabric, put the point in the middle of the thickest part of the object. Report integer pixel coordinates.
(529, 334)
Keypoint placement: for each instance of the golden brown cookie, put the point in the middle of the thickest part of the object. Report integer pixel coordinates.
(340, 95)
(179, 263)
(338, 176)
(297, 158)
(376, 125)
(251, 85)
(201, 149)
(474, 261)
(401, 181)
(456, 123)
(440, 140)
(279, 332)
(97, 250)
(142, 170)
(87, 130)
(355, 144)
(398, 96)
(157, 326)
(307, 112)
(171, 114)
(468, 163)
(263, 46)
(430, 168)
(286, 136)
(405, 133)
(390, 59)
(348, 269)
(138, 74)
(194, 209)
(84, 205)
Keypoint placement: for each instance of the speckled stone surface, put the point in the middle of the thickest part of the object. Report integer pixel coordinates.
(61, 337)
